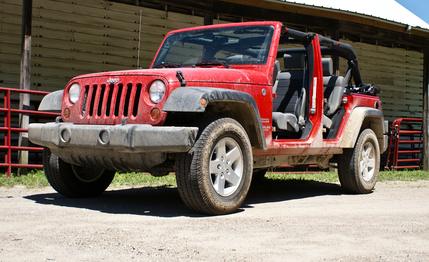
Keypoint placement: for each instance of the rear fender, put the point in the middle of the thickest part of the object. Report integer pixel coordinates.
(201, 99)
(362, 118)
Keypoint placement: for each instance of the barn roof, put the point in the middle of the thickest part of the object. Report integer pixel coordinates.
(389, 10)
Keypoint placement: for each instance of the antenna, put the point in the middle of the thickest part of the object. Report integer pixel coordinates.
(138, 46)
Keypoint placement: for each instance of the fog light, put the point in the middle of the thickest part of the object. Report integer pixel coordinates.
(104, 137)
(65, 136)
(66, 112)
(155, 113)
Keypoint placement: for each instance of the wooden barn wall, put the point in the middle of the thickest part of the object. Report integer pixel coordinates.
(10, 42)
(79, 36)
(398, 73)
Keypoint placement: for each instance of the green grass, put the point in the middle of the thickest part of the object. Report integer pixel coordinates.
(331, 177)
(38, 180)
(142, 179)
(31, 180)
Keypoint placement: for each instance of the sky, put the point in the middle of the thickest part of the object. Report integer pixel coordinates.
(418, 7)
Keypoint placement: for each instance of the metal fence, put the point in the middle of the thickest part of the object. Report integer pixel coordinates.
(405, 144)
(9, 114)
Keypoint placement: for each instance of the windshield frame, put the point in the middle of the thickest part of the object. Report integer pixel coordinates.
(267, 52)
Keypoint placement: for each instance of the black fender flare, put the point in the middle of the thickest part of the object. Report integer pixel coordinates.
(189, 99)
(52, 102)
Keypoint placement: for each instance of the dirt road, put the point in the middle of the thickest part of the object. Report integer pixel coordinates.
(282, 221)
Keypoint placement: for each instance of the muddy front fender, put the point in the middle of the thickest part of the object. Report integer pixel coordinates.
(239, 105)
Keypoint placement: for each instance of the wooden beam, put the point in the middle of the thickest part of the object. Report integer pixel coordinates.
(329, 13)
(320, 20)
(183, 6)
(209, 16)
(368, 34)
(426, 110)
(208, 19)
(321, 24)
(25, 76)
(336, 60)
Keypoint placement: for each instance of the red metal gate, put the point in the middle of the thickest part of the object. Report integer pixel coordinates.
(7, 129)
(405, 144)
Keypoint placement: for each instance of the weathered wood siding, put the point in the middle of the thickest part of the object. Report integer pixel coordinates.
(77, 37)
(399, 75)
(10, 42)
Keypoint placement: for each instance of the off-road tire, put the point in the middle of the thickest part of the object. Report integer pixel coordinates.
(348, 165)
(64, 179)
(192, 170)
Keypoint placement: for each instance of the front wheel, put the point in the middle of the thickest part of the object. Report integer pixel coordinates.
(358, 167)
(214, 177)
(74, 181)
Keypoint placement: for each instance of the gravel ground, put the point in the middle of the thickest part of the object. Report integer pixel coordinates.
(282, 220)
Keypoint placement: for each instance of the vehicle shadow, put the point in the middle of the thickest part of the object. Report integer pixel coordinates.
(165, 201)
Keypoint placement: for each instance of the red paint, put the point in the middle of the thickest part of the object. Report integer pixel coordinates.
(251, 79)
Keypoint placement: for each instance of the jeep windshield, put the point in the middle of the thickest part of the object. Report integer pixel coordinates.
(245, 45)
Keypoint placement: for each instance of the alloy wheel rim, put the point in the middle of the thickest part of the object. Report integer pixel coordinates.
(367, 162)
(226, 166)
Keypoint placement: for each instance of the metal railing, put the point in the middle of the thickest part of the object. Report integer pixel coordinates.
(405, 144)
(7, 129)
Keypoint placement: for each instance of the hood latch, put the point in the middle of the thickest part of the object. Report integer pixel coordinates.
(181, 78)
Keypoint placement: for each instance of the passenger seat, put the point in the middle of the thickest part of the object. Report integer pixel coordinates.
(289, 103)
(334, 87)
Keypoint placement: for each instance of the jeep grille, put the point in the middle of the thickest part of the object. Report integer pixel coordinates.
(111, 100)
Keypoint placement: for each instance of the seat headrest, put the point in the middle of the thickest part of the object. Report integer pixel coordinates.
(294, 61)
(276, 71)
(277, 66)
(328, 66)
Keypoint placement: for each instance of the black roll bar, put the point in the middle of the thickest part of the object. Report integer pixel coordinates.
(330, 47)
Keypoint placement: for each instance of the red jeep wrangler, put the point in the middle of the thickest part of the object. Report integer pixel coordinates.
(218, 105)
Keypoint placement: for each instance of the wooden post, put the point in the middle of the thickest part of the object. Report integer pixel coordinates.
(25, 77)
(336, 59)
(426, 110)
(208, 17)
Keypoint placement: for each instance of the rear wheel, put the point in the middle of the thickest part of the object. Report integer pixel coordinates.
(75, 181)
(214, 177)
(358, 167)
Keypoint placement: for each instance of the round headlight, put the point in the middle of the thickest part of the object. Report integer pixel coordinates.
(74, 92)
(157, 91)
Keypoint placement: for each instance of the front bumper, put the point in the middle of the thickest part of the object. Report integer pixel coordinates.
(122, 147)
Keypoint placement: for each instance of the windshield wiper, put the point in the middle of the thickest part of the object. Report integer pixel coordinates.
(213, 63)
(167, 65)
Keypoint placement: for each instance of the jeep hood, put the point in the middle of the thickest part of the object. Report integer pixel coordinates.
(194, 76)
